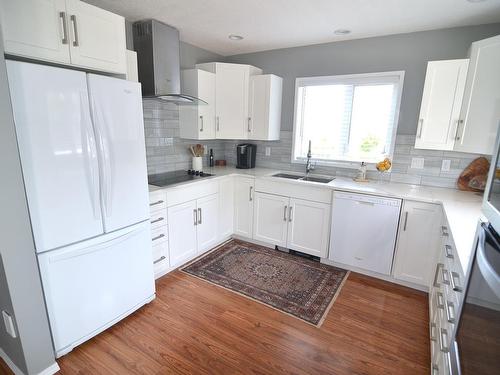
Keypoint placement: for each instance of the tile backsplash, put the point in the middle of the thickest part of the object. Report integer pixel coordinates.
(166, 151)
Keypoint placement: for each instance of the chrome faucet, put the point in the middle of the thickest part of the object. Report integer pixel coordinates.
(309, 164)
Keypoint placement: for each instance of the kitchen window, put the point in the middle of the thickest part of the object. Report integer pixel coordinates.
(348, 118)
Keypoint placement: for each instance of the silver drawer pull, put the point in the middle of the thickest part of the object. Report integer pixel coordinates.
(76, 42)
(157, 220)
(195, 217)
(62, 16)
(156, 203)
(440, 300)
(444, 231)
(157, 237)
(159, 260)
(455, 282)
(284, 213)
(435, 369)
(450, 312)
(448, 252)
(199, 215)
(290, 212)
(432, 329)
(436, 274)
(443, 338)
(445, 276)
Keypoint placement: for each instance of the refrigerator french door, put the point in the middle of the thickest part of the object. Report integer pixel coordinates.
(82, 151)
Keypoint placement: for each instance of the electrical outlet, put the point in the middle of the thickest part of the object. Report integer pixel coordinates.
(446, 165)
(205, 150)
(417, 163)
(9, 324)
(268, 151)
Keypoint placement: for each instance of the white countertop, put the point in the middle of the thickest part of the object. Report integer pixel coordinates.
(462, 209)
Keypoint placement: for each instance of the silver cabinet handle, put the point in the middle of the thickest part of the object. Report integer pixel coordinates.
(435, 369)
(62, 16)
(448, 252)
(445, 276)
(455, 282)
(420, 126)
(459, 122)
(195, 217)
(444, 231)
(406, 221)
(199, 213)
(157, 220)
(248, 124)
(290, 211)
(76, 43)
(284, 213)
(157, 237)
(440, 300)
(156, 203)
(443, 338)
(217, 122)
(250, 198)
(432, 333)
(201, 123)
(450, 312)
(159, 260)
(436, 274)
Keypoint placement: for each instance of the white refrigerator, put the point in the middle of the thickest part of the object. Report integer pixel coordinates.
(81, 142)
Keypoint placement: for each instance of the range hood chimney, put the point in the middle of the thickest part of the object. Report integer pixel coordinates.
(158, 62)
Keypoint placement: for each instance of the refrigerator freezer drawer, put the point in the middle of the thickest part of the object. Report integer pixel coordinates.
(91, 285)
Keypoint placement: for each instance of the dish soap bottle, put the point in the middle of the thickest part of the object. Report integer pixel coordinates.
(361, 177)
(211, 160)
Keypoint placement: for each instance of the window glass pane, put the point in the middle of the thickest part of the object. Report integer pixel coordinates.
(371, 122)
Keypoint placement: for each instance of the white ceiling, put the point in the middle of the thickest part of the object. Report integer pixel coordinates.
(271, 24)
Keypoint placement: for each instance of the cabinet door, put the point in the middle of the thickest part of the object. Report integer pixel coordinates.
(36, 29)
(271, 218)
(231, 98)
(308, 227)
(264, 107)
(208, 217)
(480, 113)
(418, 242)
(226, 207)
(243, 206)
(97, 38)
(182, 223)
(441, 103)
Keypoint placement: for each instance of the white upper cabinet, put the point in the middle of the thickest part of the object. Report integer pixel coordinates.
(65, 32)
(36, 28)
(97, 37)
(198, 121)
(480, 113)
(441, 103)
(231, 98)
(264, 107)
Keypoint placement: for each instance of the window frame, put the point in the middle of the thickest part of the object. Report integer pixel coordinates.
(346, 79)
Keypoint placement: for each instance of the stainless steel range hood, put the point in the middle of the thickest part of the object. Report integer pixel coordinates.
(158, 62)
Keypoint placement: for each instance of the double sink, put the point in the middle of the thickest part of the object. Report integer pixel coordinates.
(322, 180)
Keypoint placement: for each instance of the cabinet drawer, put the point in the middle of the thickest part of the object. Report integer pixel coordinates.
(293, 190)
(158, 218)
(159, 234)
(182, 194)
(160, 254)
(157, 201)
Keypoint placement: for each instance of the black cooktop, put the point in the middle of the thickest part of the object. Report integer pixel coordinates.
(170, 178)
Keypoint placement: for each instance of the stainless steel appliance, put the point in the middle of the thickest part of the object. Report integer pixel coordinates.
(245, 155)
(475, 348)
(175, 177)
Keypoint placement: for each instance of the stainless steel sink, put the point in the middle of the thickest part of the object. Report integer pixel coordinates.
(323, 180)
(286, 175)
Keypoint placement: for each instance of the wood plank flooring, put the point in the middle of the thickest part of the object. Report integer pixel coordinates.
(193, 327)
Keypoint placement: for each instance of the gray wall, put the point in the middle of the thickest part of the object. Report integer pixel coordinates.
(408, 52)
(20, 287)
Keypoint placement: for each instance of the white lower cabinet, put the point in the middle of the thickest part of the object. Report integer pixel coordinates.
(243, 206)
(207, 210)
(226, 208)
(296, 224)
(419, 237)
(270, 219)
(182, 232)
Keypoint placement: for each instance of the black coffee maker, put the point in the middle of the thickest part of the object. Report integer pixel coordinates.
(245, 155)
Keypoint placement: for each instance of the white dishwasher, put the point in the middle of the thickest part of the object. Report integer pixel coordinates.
(364, 229)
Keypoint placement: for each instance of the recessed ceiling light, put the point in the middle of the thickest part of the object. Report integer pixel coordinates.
(342, 32)
(235, 37)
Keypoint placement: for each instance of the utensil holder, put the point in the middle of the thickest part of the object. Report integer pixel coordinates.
(197, 163)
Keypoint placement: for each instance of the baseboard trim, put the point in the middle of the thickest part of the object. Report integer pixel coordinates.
(52, 369)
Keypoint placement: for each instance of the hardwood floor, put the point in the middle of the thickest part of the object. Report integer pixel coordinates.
(193, 327)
